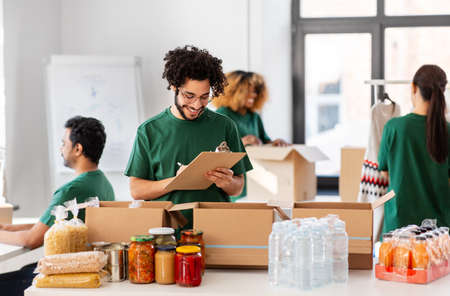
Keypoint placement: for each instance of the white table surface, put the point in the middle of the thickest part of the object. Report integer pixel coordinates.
(255, 282)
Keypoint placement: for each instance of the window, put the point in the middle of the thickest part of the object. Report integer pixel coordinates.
(336, 100)
(416, 7)
(339, 44)
(337, 8)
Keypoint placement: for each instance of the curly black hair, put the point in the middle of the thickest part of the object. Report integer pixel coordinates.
(90, 133)
(196, 64)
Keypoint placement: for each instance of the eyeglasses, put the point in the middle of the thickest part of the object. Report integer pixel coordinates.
(191, 97)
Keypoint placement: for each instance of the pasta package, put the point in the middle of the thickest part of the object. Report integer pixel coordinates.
(92, 261)
(68, 280)
(66, 236)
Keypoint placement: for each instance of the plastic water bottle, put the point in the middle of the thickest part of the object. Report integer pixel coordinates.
(318, 255)
(275, 244)
(328, 247)
(340, 253)
(302, 258)
(287, 256)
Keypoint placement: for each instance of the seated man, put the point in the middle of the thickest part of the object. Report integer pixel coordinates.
(82, 146)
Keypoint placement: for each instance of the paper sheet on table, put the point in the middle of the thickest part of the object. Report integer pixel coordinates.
(192, 177)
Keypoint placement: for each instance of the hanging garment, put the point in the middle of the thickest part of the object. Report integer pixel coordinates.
(373, 185)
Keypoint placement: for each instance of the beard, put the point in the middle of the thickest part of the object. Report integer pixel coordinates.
(66, 162)
(180, 109)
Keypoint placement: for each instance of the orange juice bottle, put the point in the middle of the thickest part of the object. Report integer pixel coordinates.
(420, 258)
(445, 242)
(385, 257)
(402, 253)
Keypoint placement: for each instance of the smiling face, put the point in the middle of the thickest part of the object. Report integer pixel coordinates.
(251, 97)
(192, 98)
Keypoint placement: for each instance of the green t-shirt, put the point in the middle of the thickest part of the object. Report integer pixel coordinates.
(89, 184)
(164, 140)
(248, 124)
(421, 184)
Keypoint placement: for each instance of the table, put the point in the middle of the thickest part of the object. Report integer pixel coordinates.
(255, 282)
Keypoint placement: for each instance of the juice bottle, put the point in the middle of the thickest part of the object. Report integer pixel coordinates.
(420, 257)
(385, 257)
(402, 253)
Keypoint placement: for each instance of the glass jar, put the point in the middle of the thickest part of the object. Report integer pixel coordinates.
(420, 259)
(165, 264)
(385, 257)
(188, 266)
(141, 256)
(194, 237)
(163, 236)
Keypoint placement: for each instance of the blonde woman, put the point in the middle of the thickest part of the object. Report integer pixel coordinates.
(245, 94)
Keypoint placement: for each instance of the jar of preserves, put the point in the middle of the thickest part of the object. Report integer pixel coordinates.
(141, 256)
(188, 266)
(165, 264)
(163, 236)
(420, 259)
(194, 237)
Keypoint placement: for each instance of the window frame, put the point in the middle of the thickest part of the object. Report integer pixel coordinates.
(375, 25)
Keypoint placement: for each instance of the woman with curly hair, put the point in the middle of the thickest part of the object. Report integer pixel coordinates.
(245, 94)
(179, 133)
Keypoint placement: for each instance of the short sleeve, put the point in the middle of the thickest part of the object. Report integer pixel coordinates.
(59, 198)
(387, 139)
(139, 162)
(262, 132)
(235, 144)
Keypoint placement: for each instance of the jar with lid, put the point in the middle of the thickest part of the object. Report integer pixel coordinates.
(165, 264)
(163, 236)
(141, 255)
(188, 266)
(194, 237)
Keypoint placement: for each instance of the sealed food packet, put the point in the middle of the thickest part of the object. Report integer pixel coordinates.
(92, 261)
(67, 236)
(69, 280)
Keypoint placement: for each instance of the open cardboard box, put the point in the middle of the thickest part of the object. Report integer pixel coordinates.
(235, 234)
(6, 212)
(114, 221)
(358, 218)
(283, 173)
(352, 159)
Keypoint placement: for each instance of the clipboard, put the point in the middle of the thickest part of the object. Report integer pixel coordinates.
(192, 177)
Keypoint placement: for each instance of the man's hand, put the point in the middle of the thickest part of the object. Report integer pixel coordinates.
(181, 168)
(222, 177)
(251, 140)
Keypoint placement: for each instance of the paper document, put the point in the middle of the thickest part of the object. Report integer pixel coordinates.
(192, 177)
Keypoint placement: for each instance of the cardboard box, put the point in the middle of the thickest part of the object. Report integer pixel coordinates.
(283, 173)
(235, 234)
(358, 218)
(352, 159)
(114, 221)
(6, 211)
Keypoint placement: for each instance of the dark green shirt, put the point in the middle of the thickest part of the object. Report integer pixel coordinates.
(248, 124)
(89, 184)
(164, 140)
(421, 184)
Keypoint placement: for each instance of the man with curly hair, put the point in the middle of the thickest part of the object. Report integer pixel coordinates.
(182, 131)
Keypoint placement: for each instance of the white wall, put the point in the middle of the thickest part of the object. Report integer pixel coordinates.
(245, 34)
(31, 33)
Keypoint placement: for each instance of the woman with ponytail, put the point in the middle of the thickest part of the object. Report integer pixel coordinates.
(414, 152)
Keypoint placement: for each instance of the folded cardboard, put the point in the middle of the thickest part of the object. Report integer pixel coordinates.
(235, 234)
(352, 159)
(114, 221)
(192, 177)
(283, 173)
(358, 218)
(6, 211)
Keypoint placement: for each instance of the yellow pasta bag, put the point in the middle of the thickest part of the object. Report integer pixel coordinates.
(68, 280)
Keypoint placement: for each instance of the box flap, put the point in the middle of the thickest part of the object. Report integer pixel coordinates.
(333, 205)
(6, 205)
(380, 201)
(310, 153)
(184, 206)
(145, 204)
